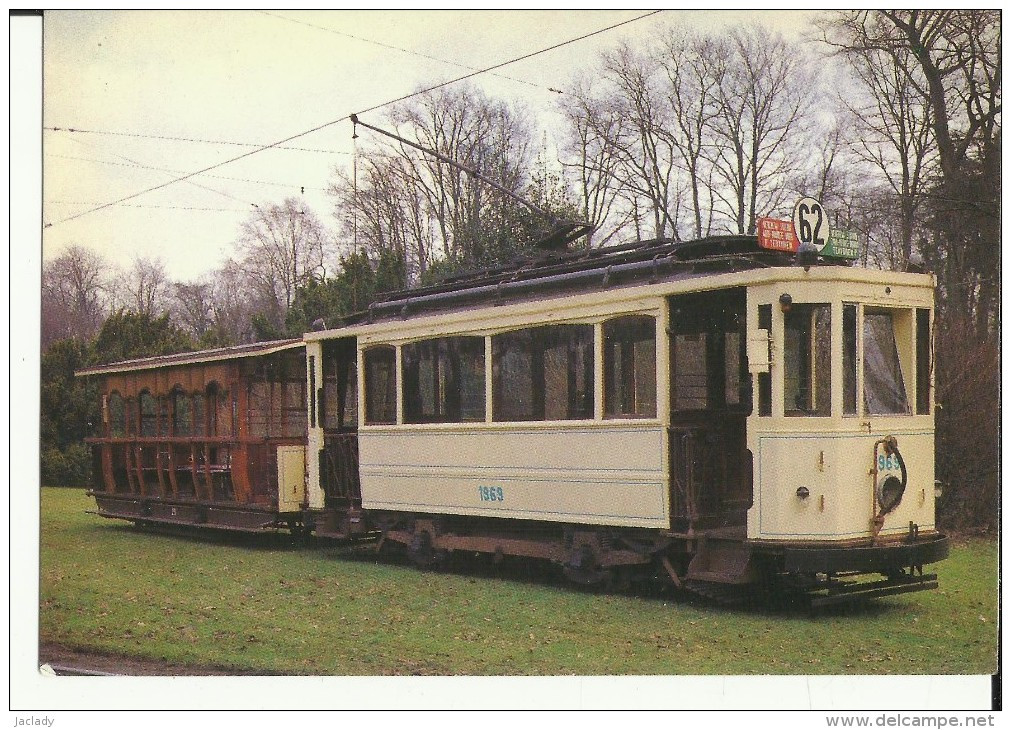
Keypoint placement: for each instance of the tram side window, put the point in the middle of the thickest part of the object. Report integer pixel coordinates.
(258, 409)
(691, 380)
(199, 415)
(380, 385)
(182, 413)
(543, 374)
(808, 360)
(849, 364)
(884, 388)
(117, 416)
(294, 408)
(340, 393)
(765, 379)
(630, 367)
(923, 363)
(148, 414)
(131, 417)
(708, 368)
(444, 380)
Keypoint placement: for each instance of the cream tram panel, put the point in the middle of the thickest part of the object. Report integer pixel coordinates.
(835, 471)
(600, 474)
(832, 457)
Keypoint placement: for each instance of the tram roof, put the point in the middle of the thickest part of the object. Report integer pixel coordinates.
(255, 349)
(583, 270)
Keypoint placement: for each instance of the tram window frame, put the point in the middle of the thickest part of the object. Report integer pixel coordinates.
(181, 412)
(851, 385)
(896, 356)
(924, 361)
(542, 358)
(338, 407)
(765, 378)
(258, 408)
(381, 396)
(147, 405)
(630, 373)
(444, 380)
(812, 360)
(704, 378)
(116, 406)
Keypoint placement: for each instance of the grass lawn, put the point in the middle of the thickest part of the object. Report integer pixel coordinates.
(262, 605)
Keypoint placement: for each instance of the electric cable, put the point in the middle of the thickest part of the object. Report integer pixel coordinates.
(332, 122)
(402, 50)
(169, 138)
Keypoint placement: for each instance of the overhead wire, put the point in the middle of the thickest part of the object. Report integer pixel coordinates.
(332, 122)
(155, 207)
(141, 165)
(169, 138)
(402, 50)
(169, 169)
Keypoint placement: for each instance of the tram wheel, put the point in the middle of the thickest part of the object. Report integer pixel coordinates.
(422, 553)
(583, 569)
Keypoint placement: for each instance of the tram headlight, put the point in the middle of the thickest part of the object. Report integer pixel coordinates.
(938, 489)
(807, 255)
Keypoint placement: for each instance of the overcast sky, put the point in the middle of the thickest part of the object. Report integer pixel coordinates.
(134, 78)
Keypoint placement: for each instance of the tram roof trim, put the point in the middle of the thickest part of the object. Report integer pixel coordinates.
(255, 349)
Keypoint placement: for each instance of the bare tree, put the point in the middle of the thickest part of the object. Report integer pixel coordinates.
(75, 290)
(421, 209)
(695, 67)
(144, 288)
(485, 135)
(891, 130)
(281, 248)
(384, 210)
(765, 103)
(590, 126)
(193, 306)
(644, 144)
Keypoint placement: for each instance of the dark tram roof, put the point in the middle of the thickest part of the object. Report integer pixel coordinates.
(586, 269)
(254, 349)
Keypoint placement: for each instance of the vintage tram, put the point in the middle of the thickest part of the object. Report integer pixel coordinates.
(213, 438)
(712, 412)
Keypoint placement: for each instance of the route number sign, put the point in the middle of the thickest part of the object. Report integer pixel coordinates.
(810, 223)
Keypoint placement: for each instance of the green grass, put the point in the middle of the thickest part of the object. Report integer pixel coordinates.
(263, 606)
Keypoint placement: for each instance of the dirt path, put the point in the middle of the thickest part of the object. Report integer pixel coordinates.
(57, 655)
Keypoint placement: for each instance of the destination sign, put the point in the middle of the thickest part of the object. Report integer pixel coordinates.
(780, 235)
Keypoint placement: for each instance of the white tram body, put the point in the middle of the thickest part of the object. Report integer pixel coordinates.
(615, 471)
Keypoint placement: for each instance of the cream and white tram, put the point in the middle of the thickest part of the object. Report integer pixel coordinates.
(712, 412)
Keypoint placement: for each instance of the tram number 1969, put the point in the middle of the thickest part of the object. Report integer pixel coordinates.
(491, 494)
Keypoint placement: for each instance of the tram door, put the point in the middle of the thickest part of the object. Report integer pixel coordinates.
(339, 416)
(711, 475)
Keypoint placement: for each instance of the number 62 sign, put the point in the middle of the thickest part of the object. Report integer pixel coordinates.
(810, 223)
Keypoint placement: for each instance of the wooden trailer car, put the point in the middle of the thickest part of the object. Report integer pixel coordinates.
(213, 438)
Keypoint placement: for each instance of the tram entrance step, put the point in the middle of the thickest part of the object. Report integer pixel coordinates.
(720, 561)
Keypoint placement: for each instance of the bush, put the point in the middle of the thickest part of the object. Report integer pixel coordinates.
(68, 468)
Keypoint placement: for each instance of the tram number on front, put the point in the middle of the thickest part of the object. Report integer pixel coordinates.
(491, 494)
(810, 223)
(886, 463)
